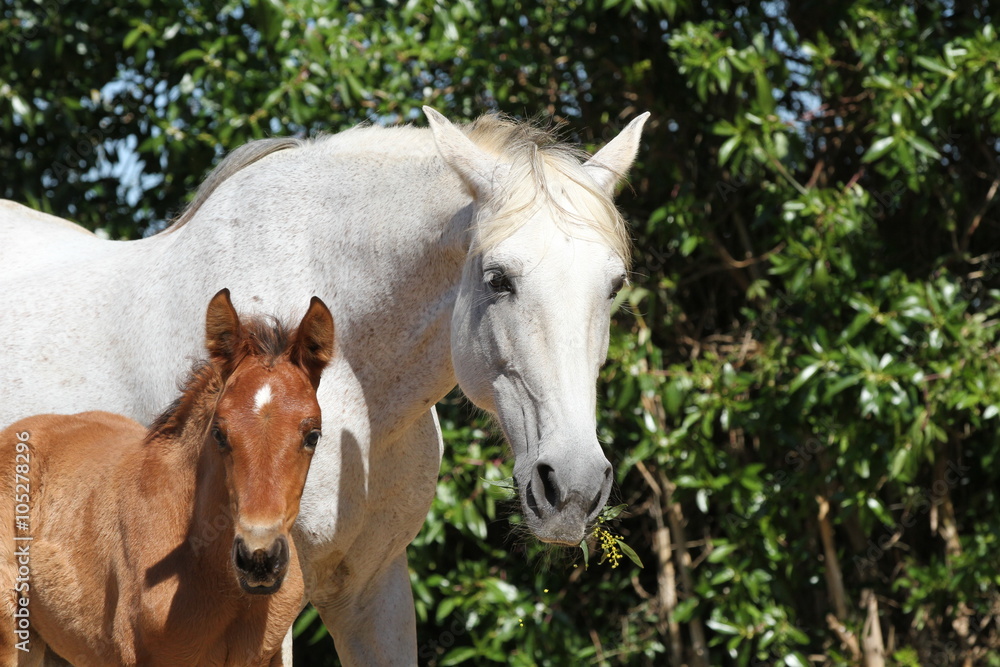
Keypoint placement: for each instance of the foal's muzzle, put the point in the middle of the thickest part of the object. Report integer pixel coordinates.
(261, 571)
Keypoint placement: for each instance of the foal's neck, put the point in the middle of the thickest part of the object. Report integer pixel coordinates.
(189, 459)
(212, 523)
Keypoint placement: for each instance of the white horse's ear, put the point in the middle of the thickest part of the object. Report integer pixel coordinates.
(474, 165)
(610, 164)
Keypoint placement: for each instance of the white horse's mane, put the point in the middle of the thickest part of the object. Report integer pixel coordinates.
(542, 170)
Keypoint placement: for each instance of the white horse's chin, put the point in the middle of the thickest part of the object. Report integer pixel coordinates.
(567, 531)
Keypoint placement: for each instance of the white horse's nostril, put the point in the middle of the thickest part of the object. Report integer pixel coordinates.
(550, 486)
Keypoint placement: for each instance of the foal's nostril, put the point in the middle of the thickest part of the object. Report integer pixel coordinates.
(278, 554)
(550, 487)
(241, 555)
(261, 564)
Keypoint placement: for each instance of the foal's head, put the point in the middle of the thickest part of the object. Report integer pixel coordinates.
(265, 428)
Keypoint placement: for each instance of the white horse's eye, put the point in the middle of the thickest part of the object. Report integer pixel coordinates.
(498, 281)
(617, 286)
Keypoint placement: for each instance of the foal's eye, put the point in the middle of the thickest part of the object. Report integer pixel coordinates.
(311, 439)
(498, 282)
(219, 437)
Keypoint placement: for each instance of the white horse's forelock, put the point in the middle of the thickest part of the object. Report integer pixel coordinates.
(542, 171)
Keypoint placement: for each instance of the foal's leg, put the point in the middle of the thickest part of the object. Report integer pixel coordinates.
(8, 598)
(53, 660)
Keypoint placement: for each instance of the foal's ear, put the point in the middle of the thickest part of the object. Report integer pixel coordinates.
(473, 165)
(610, 164)
(312, 349)
(222, 327)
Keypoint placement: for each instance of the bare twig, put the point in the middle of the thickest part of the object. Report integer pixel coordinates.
(871, 635)
(978, 217)
(947, 528)
(834, 578)
(699, 647)
(846, 637)
(666, 576)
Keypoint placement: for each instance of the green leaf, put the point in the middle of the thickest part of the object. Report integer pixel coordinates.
(610, 513)
(444, 609)
(727, 148)
(933, 65)
(722, 627)
(878, 149)
(685, 609)
(458, 655)
(133, 35)
(628, 551)
(501, 489)
(701, 499)
(924, 147)
(721, 551)
(764, 97)
(305, 619)
(879, 510)
(804, 375)
(689, 244)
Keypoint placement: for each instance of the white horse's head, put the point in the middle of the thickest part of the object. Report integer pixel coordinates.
(548, 253)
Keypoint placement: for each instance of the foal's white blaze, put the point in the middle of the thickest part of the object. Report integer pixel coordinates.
(262, 398)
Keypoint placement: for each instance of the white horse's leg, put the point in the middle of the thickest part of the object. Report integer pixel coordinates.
(365, 599)
(379, 626)
(286, 649)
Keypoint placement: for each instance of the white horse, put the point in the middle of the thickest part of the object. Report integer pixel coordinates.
(488, 254)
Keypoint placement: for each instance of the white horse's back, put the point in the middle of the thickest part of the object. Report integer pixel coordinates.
(17, 220)
(58, 277)
(30, 239)
(11, 211)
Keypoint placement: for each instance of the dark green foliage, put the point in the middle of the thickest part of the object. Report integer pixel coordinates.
(803, 395)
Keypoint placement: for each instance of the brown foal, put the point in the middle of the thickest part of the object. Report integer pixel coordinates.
(172, 546)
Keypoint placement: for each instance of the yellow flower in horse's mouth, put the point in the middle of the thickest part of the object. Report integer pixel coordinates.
(609, 546)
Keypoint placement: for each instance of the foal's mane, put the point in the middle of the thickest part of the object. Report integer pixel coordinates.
(266, 338)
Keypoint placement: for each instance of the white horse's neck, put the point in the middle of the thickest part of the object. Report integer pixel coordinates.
(290, 226)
